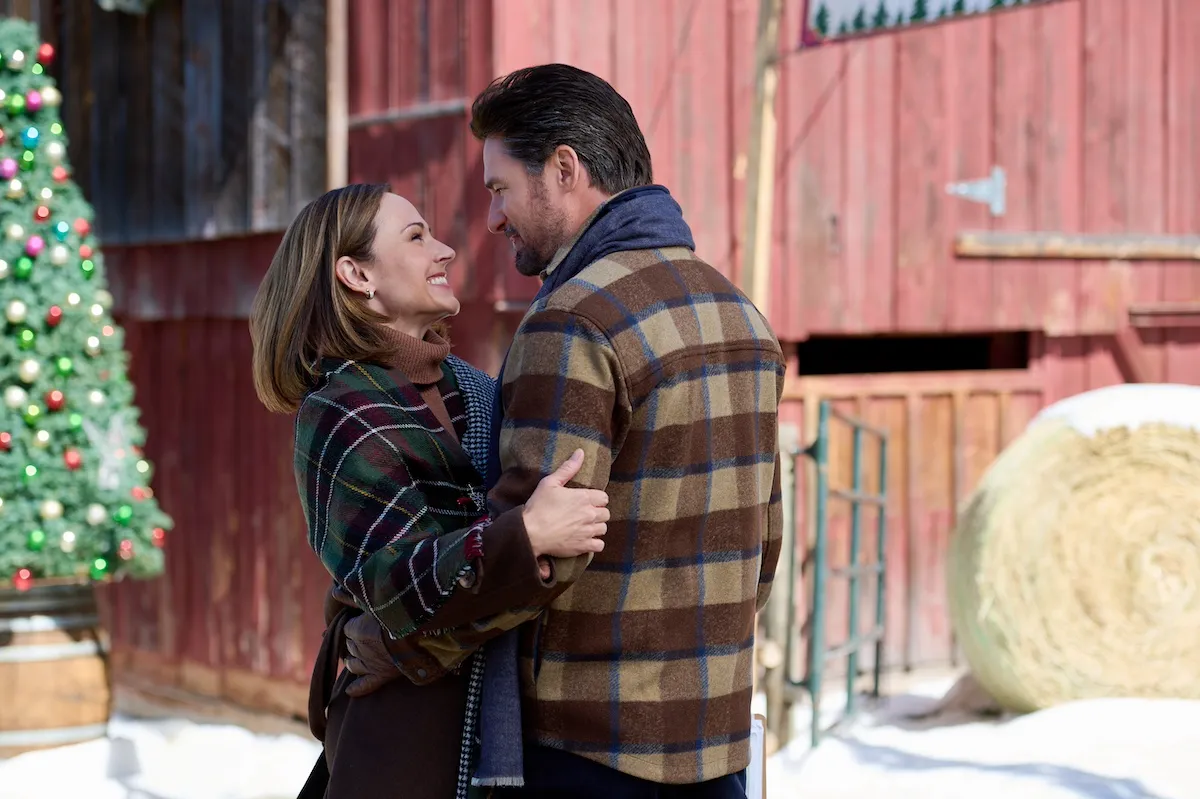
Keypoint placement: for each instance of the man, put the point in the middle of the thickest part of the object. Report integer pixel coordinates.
(636, 680)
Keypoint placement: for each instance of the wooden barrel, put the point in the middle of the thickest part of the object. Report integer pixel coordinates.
(54, 679)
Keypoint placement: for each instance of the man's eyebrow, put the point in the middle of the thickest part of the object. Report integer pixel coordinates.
(491, 183)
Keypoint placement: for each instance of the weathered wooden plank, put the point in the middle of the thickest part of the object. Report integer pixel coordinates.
(814, 151)
(868, 270)
(969, 145)
(922, 207)
(1018, 132)
(232, 203)
(167, 122)
(1106, 152)
(202, 116)
(1146, 84)
(1181, 282)
(1038, 244)
(1057, 194)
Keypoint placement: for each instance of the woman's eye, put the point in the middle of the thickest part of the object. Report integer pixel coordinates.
(417, 237)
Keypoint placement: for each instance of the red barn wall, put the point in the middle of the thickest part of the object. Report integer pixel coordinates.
(1093, 110)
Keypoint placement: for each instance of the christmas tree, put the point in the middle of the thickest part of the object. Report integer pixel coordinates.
(821, 21)
(920, 11)
(75, 498)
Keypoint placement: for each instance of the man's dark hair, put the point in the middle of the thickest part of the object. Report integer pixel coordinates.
(536, 109)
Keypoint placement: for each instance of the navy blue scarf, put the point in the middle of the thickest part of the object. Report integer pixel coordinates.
(642, 218)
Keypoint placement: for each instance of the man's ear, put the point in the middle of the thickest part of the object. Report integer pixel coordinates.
(568, 170)
(352, 275)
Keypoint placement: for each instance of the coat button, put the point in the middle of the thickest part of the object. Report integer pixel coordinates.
(422, 673)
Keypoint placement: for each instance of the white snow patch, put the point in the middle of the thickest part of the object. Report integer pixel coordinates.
(1098, 749)
(172, 759)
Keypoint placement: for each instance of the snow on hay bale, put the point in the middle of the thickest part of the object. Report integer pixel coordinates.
(1074, 571)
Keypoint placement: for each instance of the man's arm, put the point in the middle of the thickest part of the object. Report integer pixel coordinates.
(562, 390)
(772, 540)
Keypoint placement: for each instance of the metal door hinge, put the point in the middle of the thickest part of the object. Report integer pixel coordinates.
(991, 191)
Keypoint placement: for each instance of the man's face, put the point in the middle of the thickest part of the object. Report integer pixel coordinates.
(526, 208)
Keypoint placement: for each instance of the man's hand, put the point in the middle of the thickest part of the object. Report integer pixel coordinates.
(367, 656)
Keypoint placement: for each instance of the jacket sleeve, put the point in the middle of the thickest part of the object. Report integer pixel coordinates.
(562, 390)
(373, 524)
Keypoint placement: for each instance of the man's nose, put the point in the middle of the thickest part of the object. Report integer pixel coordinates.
(496, 220)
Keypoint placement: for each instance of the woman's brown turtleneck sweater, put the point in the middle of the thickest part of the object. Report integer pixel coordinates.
(420, 361)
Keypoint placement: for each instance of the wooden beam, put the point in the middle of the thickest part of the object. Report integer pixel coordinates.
(337, 109)
(1165, 314)
(1076, 246)
(760, 183)
(1131, 356)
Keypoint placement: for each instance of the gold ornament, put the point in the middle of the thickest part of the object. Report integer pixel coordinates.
(15, 397)
(16, 60)
(29, 370)
(59, 255)
(55, 151)
(51, 509)
(16, 232)
(41, 439)
(96, 396)
(5, 270)
(16, 312)
(51, 96)
(96, 312)
(46, 193)
(16, 189)
(96, 514)
(104, 298)
(68, 541)
(73, 299)
(93, 345)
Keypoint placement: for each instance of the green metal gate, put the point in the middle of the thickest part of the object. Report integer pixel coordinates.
(819, 654)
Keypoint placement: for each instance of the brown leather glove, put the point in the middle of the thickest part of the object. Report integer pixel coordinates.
(368, 657)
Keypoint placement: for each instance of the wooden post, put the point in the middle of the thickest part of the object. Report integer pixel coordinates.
(760, 183)
(337, 112)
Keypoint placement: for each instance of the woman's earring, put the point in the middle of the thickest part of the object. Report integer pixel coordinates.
(370, 294)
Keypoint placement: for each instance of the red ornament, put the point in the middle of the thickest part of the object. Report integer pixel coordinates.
(158, 537)
(60, 173)
(55, 400)
(23, 580)
(3, 136)
(45, 53)
(42, 213)
(54, 316)
(85, 251)
(138, 493)
(82, 227)
(72, 459)
(125, 550)
(5, 441)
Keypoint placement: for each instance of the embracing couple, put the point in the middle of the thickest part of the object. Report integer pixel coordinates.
(546, 584)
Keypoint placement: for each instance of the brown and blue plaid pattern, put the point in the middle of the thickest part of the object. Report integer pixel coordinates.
(670, 381)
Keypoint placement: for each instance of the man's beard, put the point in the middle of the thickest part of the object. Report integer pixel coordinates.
(545, 239)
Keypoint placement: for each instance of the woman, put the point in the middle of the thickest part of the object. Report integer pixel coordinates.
(391, 436)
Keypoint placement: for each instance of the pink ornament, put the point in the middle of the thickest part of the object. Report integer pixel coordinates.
(35, 245)
(8, 168)
(33, 100)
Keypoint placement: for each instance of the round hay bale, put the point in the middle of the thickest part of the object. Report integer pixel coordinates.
(1074, 571)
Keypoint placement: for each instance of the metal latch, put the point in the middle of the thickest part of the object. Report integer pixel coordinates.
(990, 191)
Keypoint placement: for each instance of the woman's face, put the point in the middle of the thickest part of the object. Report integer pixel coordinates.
(408, 273)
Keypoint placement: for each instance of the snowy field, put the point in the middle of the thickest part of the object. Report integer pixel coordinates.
(1100, 749)
(1110, 749)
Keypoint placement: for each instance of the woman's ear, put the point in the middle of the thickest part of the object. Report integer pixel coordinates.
(352, 275)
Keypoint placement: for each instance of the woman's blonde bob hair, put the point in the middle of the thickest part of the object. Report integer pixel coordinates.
(302, 312)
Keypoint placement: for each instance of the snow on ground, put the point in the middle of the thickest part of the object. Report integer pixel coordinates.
(164, 759)
(1099, 749)
(1103, 749)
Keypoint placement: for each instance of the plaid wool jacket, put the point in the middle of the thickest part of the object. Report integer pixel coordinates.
(396, 511)
(670, 380)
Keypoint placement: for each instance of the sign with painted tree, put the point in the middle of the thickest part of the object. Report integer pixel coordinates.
(830, 19)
